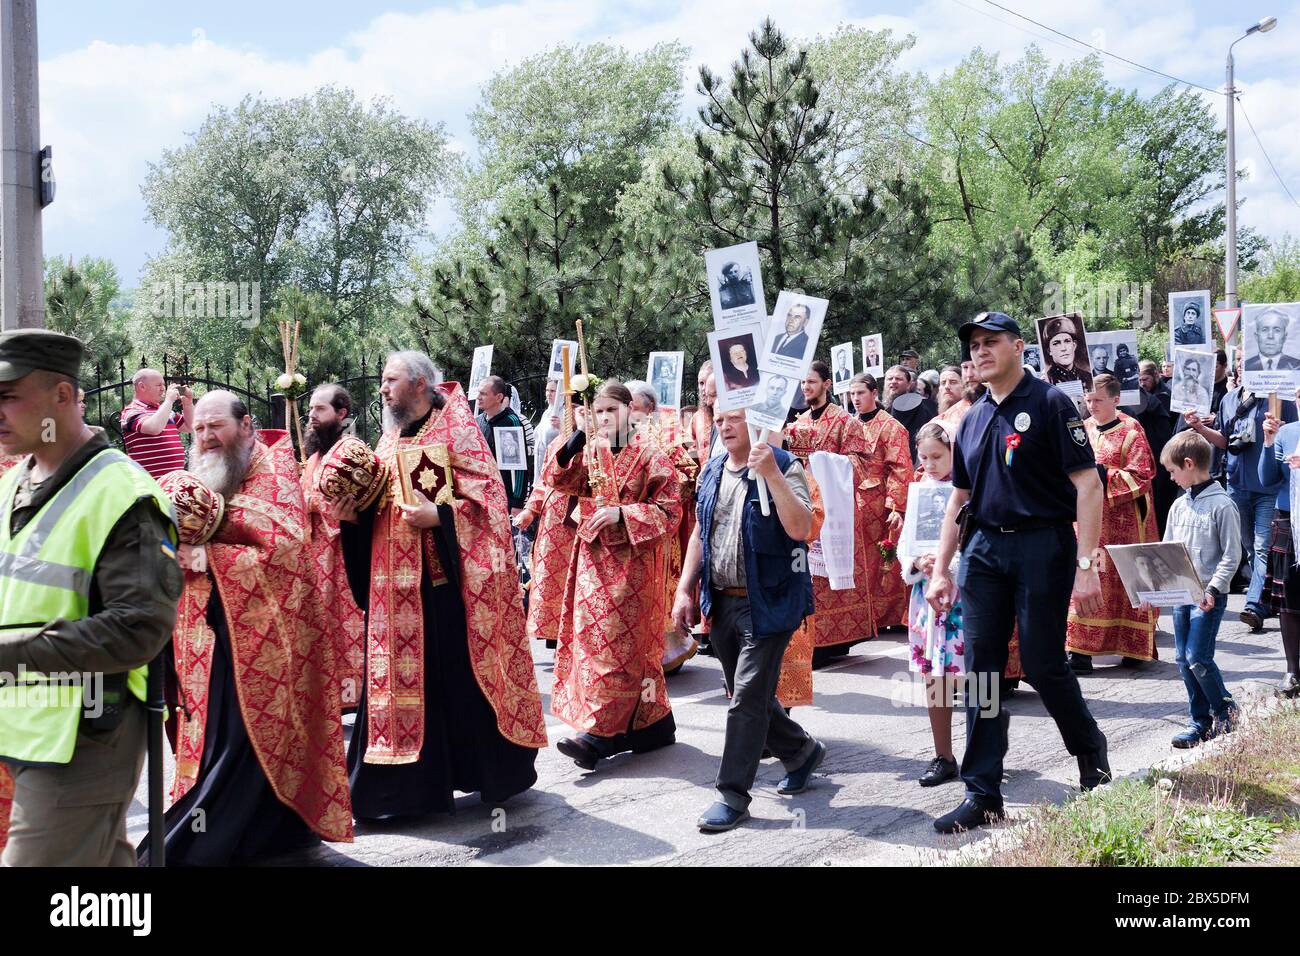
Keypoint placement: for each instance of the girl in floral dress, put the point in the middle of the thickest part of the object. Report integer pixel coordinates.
(937, 645)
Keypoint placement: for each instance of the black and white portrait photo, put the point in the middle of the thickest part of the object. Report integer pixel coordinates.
(1033, 357)
(1064, 346)
(480, 368)
(1120, 358)
(1193, 386)
(556, 370)
(1269, 344)
(1159, 572)
(665, 376)
(792, 334)
(512, 453)
(873, 354)
(734, 352)
(775, 392)
(927, 502)
(841, 367)
(735, 285)
(1189, 319)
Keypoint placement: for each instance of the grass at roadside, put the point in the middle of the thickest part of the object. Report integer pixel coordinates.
(1232, 807)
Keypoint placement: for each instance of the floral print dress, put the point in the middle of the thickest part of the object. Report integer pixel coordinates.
(936, 642)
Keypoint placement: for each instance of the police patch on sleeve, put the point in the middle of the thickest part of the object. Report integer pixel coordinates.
(1077, 431)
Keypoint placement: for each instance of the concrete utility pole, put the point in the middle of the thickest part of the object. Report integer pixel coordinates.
(22, 271)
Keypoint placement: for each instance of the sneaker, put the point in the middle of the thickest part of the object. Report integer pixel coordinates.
(719, 818)
(969, 816)
(796, 781)
(1252, 620)
(941, 770)
(1188, 738)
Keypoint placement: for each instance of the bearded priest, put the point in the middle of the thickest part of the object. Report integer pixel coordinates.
(450, 700)
(259, 737)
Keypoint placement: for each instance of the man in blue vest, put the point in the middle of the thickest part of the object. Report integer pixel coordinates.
(755, 589)
(88, 587)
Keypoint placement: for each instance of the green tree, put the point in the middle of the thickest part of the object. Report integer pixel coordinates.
(1277, 277)
(322, 193)
(78, 301)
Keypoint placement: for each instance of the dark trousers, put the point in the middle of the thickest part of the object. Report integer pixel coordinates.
(751, 666)
(1006, 579)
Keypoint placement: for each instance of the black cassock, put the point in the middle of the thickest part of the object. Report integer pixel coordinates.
(231, 815)
(463, 750)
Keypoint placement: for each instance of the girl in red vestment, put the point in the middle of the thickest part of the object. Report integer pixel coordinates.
(609, 678)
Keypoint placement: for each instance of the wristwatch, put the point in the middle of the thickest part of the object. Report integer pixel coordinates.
(1085, 563)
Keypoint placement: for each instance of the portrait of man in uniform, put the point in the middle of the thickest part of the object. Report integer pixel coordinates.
(735, 286)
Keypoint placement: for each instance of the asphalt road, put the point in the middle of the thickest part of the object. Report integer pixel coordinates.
(864, 806)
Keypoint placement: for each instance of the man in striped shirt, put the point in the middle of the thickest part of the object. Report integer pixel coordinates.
(150, 427)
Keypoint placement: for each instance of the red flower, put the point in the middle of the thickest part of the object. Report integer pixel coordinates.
(1013, 440)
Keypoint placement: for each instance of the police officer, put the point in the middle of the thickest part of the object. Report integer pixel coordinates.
(88, 586)
(1024, 468)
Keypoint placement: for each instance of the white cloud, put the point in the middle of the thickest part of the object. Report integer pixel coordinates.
(110, 109)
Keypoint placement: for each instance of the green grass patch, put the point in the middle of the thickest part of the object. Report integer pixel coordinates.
(1230, 808)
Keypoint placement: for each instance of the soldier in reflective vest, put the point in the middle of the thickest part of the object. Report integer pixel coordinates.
(88, 590)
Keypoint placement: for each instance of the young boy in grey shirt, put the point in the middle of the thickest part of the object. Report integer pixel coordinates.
(1206, 520)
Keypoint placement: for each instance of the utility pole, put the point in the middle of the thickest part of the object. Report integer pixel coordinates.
(22, 268)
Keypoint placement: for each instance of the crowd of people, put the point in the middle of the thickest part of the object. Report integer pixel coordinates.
(413, 585)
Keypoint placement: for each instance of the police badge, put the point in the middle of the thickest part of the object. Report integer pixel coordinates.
(1077, 432)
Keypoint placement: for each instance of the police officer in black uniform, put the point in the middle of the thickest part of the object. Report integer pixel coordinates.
(1024, 468)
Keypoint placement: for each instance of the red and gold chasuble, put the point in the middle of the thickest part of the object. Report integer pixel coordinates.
(794, 688)
(889, 472)
(552, 553)
(259, 562)
(6, 779)
(346, 620)
(489, 585)
(665, 436)
(847, 616)
(609, 676)
(1127, 517)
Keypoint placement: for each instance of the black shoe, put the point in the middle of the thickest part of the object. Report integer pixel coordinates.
(579, 751)
(1189, 738)
(1007, 686)
(720, 817)
(1289, 686)
(826, 655)
(1079, 663)
(969, 816)
(1252, 620)
(796, 781)
(1094, 768)
(1131, 662)
(941, 770)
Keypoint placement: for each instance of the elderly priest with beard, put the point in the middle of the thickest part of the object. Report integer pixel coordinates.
(259, 739)
(450, 700)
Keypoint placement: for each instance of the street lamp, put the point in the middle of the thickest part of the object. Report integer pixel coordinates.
(1230, 280)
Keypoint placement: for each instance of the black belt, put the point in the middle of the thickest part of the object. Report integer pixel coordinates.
(1036, 524)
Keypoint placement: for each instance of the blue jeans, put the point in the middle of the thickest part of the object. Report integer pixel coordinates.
(1194, 634)
(1256, 510)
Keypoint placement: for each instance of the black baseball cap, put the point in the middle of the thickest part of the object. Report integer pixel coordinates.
(23, 351)
(991, 322)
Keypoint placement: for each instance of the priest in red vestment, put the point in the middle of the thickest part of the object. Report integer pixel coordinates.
(450, 701)
(884, 497)
(1128, 517)
(259, 738)
(328, 412)
(609, 679)
(842, 618)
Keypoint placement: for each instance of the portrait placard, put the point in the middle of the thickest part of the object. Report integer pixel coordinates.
(1189, 320)
(1192, 389)
(927, 503)
(792, 334)
(1160, 573)
(735, 278)
(480, 369)
(1269, 346)
(1117, 353)
(1063, 342)
(735, 352)
(775, 393)
(873, 355)
(664, 373)
(556, 369)
(841, 367)
(512, 453)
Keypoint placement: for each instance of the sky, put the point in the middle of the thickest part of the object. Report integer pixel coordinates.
(123, 81)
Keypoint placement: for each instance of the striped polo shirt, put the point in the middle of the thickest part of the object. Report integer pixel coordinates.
(156, 454)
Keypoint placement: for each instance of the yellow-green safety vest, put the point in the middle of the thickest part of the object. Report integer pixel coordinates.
(45, 574)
